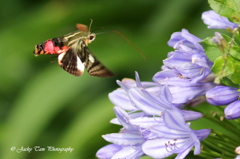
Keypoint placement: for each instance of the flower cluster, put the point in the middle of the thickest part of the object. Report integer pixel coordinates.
(185, 69)
(152, 125)
(151, 113)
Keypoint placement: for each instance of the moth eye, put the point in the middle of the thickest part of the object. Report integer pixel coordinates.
(92, 37)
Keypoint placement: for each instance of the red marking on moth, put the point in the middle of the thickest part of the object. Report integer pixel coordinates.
(51, 49)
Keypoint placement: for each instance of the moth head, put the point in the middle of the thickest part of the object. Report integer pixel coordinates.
(91, 36)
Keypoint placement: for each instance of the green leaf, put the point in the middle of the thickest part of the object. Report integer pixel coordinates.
(228, 38)
(227, 8)
(226, 81)
(211, 49)
(218, 67)
(227, 70)
(222, 67)
(235, 77)
(235, 52)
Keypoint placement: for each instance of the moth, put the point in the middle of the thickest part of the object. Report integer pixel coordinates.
(73, 52)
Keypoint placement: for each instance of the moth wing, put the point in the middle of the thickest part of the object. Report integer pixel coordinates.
(82, 27)
(92, 65)
(71, 63)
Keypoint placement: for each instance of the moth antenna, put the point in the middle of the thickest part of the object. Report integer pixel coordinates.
(126, 40)
(90, 25)
(98, 29)
(53, 61)
(131, 43)
(53, 57)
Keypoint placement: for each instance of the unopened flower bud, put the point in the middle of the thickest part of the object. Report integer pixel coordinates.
(220, 41)
(232, 111)
(222, 95)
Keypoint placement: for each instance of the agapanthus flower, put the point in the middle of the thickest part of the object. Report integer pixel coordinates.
(182, 89)
(232, 111)
(151, 98)
(192, 65)
(217, 38)
(222, 95)
(120, 96)
(186, 39)
(127, 143)
(149, 102)
(220, 41)
(215, 21)
(185, 68)
(173, 137)
(188, 60)
(237, 157)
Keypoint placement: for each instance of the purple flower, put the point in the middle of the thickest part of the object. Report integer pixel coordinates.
(139, 130)
(192, 65)
(232, 111)
(237, 157)
(215, 21)
(218, 38)
(108, 151)
(127, 143)
(222, 95)
(153, 104)
(120, 97)
(157, 98)
(220, 41)
(184, 38)
(113, 151)
(182, 89)
(173, 137)
(148, 102)
(185, 69)
(189, 59)
(152, 118)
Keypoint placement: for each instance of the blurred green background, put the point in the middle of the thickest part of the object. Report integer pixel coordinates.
(42, 105)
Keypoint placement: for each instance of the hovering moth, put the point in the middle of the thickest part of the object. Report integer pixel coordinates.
(73, 52)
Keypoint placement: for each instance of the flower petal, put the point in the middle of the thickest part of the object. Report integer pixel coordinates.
(216, 21)
(156, 148)
(174, 120)
(108, 151)
(123, 118)
(184, 38)
(185, 94)
(165, 132)
(129, 152)
(191, 115)
(120, 98)
(150, 106)
(146, 122)
(124, 138)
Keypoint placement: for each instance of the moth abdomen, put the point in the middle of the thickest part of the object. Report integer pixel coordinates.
(51, 46)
